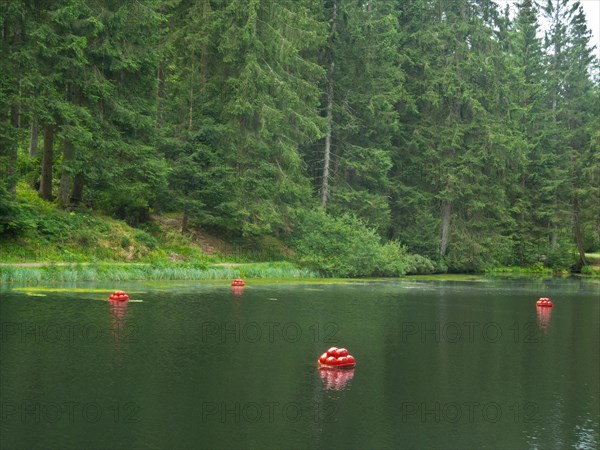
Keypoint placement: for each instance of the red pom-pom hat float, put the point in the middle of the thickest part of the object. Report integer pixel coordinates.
(336, 358)
(118, 296)
(544, 302)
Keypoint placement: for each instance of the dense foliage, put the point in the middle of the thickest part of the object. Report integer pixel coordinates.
(361, 133)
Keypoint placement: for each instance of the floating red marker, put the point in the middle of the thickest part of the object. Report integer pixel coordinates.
(238, 282)
(336, 358)
(545, 302)
(118, 296)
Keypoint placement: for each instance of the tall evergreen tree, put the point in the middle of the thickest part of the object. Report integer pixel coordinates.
(13, 15)
(363, 86)
(579, 116)
(566, 142)
(529, 120)
(191, 133)
(268, 93)
(455, 153)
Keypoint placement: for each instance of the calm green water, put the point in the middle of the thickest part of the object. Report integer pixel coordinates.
(439, 365)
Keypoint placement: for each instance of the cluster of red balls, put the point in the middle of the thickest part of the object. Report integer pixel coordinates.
(238, 282)
(118, 296)
(544, 302)
(337, 357)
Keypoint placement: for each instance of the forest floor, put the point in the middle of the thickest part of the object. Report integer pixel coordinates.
(51, 235)
(207, 242)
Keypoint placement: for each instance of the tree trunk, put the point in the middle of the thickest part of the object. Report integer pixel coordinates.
(15, 119)
(204, 55)
(327, 156)
(184, 221)
(47, 155)
(160, 94)
(77, 194)
(555, 92)
(578, 232)
(327, 159)
(446, 208)
(11, 166)
(34, 139)
(10, 34)
(554, 230)
(191, 108)
(16, 114)
(64, 191)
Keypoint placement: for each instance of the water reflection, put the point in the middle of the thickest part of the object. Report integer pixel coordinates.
(543, 317)
(336, 379)
(586, 436)
(118, 313)
(238, 291)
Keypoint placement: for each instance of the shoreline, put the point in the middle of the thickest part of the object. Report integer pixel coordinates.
(60, 272)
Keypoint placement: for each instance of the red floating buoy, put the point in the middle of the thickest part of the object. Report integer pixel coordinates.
(545, 302)
(118, 296)
(336, 358)
(238, 282)
(341, 352)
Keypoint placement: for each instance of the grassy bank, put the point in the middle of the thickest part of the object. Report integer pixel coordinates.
(131, 272)
(538, 270)
(47, 233)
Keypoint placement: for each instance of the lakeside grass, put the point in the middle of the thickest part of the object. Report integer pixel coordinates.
(266, 272)
(447, 277)
(589, 271)
(258, 272)
(536, 270)
(137, 272)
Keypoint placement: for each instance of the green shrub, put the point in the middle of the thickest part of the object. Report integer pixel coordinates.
(344, 247)
(563, 257)
(84, 237)
(419, 265)
(592, 271)
(125, 242)
(146, 240)
(340, 246)
(392, 260)
(15, 217)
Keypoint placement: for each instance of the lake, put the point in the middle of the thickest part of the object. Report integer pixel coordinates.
(440, 364)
